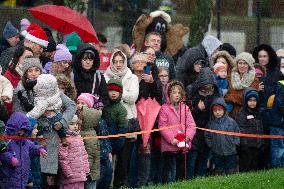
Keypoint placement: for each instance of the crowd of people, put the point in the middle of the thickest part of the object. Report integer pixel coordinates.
(62, 107)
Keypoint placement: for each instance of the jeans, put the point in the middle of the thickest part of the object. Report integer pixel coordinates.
(224, 164)
(277, 148)
(197, 163)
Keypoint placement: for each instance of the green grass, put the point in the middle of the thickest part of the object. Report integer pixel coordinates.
(271, 179)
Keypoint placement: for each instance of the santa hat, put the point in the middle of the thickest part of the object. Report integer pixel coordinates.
(219, 67)
(162, 14)
(37, 35)
(89, 99)
(181, 138)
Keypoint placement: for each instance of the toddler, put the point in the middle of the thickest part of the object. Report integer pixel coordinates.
(220, 71)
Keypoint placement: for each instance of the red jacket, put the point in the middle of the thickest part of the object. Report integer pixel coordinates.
(14, 78)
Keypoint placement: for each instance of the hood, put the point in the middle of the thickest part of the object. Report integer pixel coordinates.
(205, 77)
(225, 55)
(125, 59)
(273, 59)
(82, 47)
(210, 43)
(249, 92)
(17, 122)
(91, 117)
(218, 101)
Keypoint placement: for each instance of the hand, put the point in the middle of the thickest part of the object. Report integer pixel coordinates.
(30, 185)
(175, 142)
(57, 126)
(201, 105)
(261, 86)
(148, 78)
(42, 152)
(5, 99)
(110, 156)
(14, 161)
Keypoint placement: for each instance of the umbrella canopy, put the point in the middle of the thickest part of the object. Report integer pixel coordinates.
(147, 112)
(65, 20)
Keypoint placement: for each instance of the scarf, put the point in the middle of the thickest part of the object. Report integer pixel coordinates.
(244, 82)
(114, 74)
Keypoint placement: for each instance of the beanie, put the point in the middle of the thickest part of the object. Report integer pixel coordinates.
(219, 67)
(31, 62)
(114, 85)
(74, 119)
(10, 31)
(73, 41)
(25, 23)
(62, 53)
(217, 107)
(37, 35)
(251, 93)
(89, 99)
(246, 57)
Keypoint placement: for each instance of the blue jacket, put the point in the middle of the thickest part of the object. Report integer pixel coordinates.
(17, 177)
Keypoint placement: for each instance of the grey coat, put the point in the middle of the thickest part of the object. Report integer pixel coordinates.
(50, 163)
(221, 144)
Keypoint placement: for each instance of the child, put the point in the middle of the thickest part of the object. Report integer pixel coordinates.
(223, 147)
(173, 113)
(163, 74)
(48, 105)
(16, 161)
(89, 100)
(249, 121)
(89, 119)
(73, 160)
(221, 74)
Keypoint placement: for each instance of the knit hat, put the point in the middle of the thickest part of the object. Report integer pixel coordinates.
(270, 101)
(37, 35)
(74, 119)
(218, 107)
(89, 99)
(10, 31)
(219, 67)
(252, 93)
(31, 62)
(25, 23)
(51, 42)
(115, 85)
(246, 57)
(73, 41)
(62, 53)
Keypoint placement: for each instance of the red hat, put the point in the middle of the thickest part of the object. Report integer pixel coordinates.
(219, 67)
(37, 35)
(217, 107)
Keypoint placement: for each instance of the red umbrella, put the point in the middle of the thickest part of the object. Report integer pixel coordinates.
(147, 112)
(65, 20)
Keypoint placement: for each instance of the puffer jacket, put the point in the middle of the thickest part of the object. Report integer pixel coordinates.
(170, 116)
(73, 160)
(220, 144)
(17, 177)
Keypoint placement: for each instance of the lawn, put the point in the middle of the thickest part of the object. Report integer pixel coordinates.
(273, 178)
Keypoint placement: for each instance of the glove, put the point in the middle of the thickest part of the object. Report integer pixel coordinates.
(14, 161)
(42, 152)
(24, 101)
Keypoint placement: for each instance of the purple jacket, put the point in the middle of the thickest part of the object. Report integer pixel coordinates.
(17, 177)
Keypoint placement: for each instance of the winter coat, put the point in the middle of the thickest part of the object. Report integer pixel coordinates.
(84, 80)
(220, 144)
(73, 160)
(14, 78)
(235, 97)
(7, 55)
(249, 121)
(90, 122)
(130, 93)
(223, 85)
(4, 44)
(185, 63)
(275, 116)
(169, 116)
(6, 88)
(163, 60)
(105, 145)
(17, 177)
(201, 118)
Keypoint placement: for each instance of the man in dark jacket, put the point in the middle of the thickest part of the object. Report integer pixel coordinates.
(154, 40)
(203, 52)
(249, 121)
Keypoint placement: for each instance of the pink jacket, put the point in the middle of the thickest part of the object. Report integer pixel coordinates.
(73, 160)
(170, 116)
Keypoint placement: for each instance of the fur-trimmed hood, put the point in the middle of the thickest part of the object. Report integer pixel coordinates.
(225, 55)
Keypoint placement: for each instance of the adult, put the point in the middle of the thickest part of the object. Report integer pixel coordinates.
(14, 71)
(242, 76)
(23, 101)
(118, 70)
(86, 77)
(148, 88)
(229, 49)
(154, 40)
(10, 37)
(201, 52)
(35, 38)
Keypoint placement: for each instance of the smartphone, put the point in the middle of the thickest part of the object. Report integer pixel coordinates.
(147, 70)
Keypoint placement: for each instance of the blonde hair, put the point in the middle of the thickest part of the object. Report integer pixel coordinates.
(138, 56)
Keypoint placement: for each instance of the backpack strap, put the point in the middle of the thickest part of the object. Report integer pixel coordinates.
(97, 74)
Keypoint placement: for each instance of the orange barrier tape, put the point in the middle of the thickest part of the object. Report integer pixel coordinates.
(150, 131)
(240, 134)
